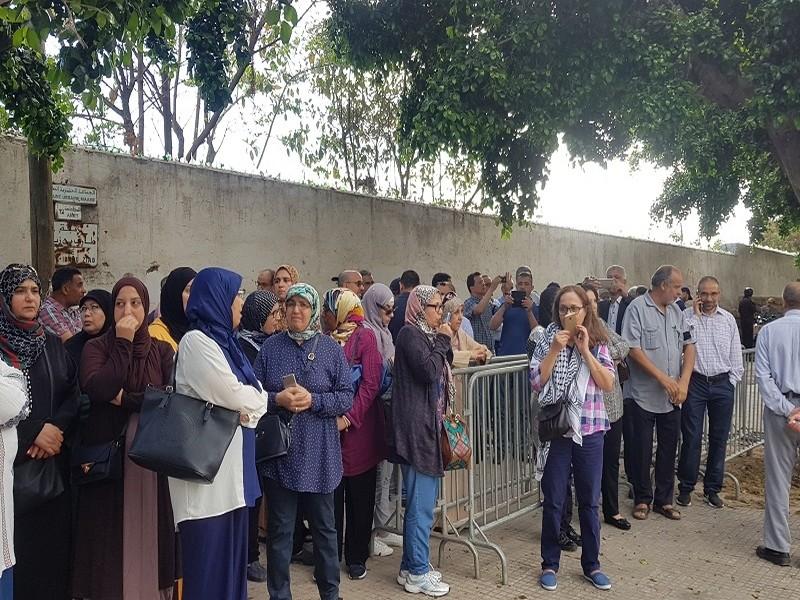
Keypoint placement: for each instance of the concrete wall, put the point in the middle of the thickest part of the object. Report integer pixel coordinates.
(155, 215)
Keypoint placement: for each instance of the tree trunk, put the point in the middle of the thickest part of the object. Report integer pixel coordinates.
(786, 144)
(166, 104)
(140, 102)
(40, 183)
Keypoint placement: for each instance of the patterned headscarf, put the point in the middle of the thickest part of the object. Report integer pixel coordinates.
(451, 304)
(309, 294)
(349, 314)
(415, 309)
(21, 342)
(375, 298)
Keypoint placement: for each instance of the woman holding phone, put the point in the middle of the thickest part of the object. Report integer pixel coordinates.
(572, 367)
(307, 379)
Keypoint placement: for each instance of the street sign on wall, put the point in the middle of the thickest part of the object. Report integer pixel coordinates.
(75, 244)
(74, 194)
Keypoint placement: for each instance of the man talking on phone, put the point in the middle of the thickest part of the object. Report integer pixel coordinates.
(717, 369)
(778, 377)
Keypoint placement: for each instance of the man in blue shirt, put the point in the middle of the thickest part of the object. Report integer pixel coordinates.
(518, 317)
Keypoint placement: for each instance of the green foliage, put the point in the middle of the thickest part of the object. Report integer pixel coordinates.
(695, 85)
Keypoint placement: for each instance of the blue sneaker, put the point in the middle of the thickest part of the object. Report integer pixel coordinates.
(548, 581)
(599, 580)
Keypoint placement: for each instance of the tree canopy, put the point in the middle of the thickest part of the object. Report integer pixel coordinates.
(708, 88)
(96, 36)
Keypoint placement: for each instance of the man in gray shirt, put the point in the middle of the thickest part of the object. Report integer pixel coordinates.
(778, 376)
(661, 361)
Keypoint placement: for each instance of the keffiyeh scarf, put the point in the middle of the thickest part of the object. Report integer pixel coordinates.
(567, 382)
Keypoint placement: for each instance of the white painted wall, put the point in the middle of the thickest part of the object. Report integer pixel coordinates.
(156, 215)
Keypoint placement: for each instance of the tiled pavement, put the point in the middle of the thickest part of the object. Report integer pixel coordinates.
(709, 554)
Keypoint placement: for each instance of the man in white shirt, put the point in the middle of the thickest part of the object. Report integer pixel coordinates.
(717, 369)
(613, 310)
(778, 376)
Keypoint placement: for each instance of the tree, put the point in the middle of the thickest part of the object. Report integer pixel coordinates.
(786, 240)
(98, 38)
(710, 89)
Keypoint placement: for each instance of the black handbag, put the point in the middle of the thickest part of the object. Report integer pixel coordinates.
(180, 436)
(553, 421)
(36, 482)
(273, 432)
(99, 462)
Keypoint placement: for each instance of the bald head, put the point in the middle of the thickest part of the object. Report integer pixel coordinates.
(791, 296)
(353, 281)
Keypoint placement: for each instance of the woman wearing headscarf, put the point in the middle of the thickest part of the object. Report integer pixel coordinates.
(308, 475)
(14, 407)
(41, 532)
(259, 321)
(125, 534)
(378, 304)
(571, 364)
(362, 436)
(213, 518)
(172, 324)
(421, 391)
(465, 349)
(97, 314)
(285, 277)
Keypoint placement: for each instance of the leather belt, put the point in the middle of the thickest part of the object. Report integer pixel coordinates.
(711, 378)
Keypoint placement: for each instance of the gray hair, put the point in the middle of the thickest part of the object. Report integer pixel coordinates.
(706, 279)
(662, 275)
(619, 268)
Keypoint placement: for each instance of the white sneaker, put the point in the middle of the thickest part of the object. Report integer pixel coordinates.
(403, 575)
(426, 584)
(392, 539)
(381, 549)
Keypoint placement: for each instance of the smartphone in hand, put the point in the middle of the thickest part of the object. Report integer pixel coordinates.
(289, 381)
(570, 322)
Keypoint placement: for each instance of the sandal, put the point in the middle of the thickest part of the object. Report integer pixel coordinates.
(640, 511)
(668, 511)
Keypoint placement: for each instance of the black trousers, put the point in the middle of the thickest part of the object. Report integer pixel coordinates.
(282, 507)
(610, 483)
(668, 427)
(355, 505)
(627, 435)
(253, 553)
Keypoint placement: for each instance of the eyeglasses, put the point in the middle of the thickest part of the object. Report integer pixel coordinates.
(90, 308)
(389, 310)
(565, 310)
(436, 307)
(302, 305)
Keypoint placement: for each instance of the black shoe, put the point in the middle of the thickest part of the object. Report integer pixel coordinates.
(781, 559)
(621, 523)
(304, 557)
(256, 572)
(356, 571)
(574, 536)
(713, 500)
(684, 499)
(567, 545)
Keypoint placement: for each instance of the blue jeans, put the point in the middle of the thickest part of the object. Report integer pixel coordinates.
(717, 398)
(7, 584)
(421, 493)
(587, 471)
(282, 507)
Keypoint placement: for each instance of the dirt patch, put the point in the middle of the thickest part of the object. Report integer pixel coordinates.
(749, 470)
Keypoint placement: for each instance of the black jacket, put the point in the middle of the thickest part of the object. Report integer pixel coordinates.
(418, 366)
(399, 317)
(604, 306)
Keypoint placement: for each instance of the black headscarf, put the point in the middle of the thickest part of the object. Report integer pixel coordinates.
(257, 307)
(74, 345)
(21, 342)
(171, 305)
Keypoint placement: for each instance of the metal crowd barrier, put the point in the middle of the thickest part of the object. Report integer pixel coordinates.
(499, 484)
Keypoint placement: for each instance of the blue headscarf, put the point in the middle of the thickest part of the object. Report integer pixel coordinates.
(209, 311)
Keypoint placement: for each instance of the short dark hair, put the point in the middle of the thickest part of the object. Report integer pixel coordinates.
(365, 273)
(394, 286)
(471, 279)
(748, 292)
(440, 278)
(63, 276)
(641, 290)
(409, 279)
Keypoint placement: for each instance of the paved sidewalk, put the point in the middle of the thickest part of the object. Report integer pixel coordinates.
(709, 554)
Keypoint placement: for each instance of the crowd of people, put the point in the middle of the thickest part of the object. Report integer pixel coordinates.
(362, 378)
